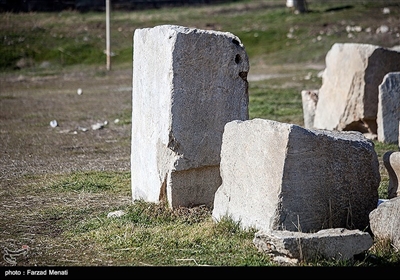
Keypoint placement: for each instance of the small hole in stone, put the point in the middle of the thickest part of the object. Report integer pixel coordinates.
(236, 42)
(238, 59)
(243, 75)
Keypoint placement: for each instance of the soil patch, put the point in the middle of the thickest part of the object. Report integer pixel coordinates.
(30, 145)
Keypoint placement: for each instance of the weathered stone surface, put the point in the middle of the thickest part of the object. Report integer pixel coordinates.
(385, 221)
(309, 100)
(187, 83)
(388, 115)
(348, 97)
(330, 244)
(391, 161)
(278, 176)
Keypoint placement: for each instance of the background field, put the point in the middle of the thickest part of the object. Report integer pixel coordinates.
(58, 184)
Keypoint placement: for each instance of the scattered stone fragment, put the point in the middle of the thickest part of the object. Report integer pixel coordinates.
(84, 129)
(99, 125)
(386, 10)
(382, 29)
(116, 214)
(53, 123)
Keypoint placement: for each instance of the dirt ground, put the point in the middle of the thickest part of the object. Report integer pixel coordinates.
(28, 103)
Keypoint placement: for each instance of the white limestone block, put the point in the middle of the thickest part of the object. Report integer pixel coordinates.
(348, 97)
(278, 176)
(187, 84)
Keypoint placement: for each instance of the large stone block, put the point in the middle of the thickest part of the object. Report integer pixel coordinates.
(278, 176)
(389, 108)
(348, 97)
(385, 222)
(187, 84)
(337, 244)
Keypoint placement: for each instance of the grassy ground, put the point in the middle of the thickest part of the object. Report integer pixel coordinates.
(59, 184)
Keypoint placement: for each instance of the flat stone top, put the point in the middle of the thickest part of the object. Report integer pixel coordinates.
(189, 30)
(367, 48)
(343, 135)
(358, 45)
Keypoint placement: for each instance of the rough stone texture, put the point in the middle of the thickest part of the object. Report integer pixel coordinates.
(331, 244)
(309, 100)
(388, 115)
(348, 97)
(187, 83)
(391, 161)
(385, 221)
(278, 176)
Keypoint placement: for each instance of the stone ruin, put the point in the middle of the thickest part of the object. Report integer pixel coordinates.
(286, 177)
(298, 186)
(310, 192)
(351, 88)
(187, 84)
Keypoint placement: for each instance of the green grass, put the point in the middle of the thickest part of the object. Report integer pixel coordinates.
(151, 234)
(148, 234)
(69, 37)
(283, 105)
(92, 182)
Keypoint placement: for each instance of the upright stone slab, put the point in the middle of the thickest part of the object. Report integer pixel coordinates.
(187, 84)
(309, 100)
(389, 108)
(278, 176)
(348, 97)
